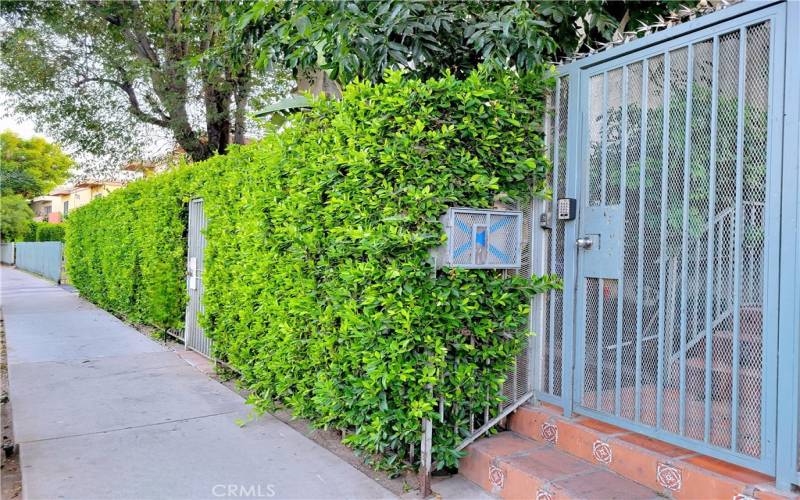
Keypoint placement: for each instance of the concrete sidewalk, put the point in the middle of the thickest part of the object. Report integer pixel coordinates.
(101, 411)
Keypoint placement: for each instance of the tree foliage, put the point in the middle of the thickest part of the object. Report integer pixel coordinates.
(364, 38)
(318, 285)
(103, 75)
(31, 167)
(15, 217)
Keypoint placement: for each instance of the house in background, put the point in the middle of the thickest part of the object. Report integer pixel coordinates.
(55, 206)
(50, 207)
(145, 169)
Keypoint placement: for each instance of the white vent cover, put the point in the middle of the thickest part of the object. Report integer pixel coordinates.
(483, 239)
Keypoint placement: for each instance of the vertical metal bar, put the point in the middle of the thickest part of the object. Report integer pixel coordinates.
(539, 266)
(710, 262)
(731, 254)
(620, 290)
(192, 331)
(539, 245)
(575, 137)
(196, 337)
(600, 327)
(198, 242)
(196, 300)
(718, 298)
(514, 384)
(553, 237)
(640, 254)
(474, 243)
(685, 236)
(189, 320)
(201, 288)
(192, 295)
(663, 242)
(604, 143)
(698, 266)
(788, 373)
(426, 452)
(737, 270)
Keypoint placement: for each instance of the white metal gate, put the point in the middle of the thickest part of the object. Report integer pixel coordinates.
(194, 337)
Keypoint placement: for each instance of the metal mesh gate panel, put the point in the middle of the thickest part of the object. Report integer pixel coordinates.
(550, 246)
(194, 338)
(670, 297)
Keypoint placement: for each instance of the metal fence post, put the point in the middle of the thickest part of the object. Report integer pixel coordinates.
(426, 452)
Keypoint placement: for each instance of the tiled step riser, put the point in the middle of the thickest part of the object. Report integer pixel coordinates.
(497, 477)
(657, 465)
(513, 467)
(694, 414)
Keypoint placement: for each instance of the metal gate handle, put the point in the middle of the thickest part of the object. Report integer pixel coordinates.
(585, 243)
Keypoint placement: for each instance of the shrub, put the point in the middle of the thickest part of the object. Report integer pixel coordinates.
(15, 217)
(46, 231)
(318, 284)
(126, 251)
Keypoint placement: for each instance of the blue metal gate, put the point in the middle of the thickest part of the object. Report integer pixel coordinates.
(672, 146)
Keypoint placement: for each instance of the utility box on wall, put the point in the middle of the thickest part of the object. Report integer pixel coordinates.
(481, 239)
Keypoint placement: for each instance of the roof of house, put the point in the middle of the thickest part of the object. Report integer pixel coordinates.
(94, 182)
(59, 190)
(139, 166)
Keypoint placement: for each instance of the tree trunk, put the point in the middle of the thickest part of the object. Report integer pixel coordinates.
(317, 82)
(169, 78)
(240, 95)
(218, 115)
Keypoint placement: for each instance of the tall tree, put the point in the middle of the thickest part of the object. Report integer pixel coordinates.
(363, 38)
(15, 217)
(99, 74)
(31, 167)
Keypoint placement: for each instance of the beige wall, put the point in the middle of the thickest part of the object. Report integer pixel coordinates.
(55, 202)
(80, 196)
(77, 197)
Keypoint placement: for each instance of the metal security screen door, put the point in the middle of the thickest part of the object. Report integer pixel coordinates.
(675, 295)
(194, 337)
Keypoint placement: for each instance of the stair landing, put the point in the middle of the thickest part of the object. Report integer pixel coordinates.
(545, 455)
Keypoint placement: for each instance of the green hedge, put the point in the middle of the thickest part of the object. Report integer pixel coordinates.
(318, 285)
(44, 231)
(126, 251)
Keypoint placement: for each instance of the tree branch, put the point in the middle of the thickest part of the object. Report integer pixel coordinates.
(136, 38)
(133, 100)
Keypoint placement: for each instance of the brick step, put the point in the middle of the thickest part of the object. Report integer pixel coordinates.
(658, 466)
(512, 466)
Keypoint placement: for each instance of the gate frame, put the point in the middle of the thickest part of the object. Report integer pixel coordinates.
(788, 383)
(779, 456)
(196, 329)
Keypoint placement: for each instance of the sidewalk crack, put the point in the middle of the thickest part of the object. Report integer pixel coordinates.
(128, 427)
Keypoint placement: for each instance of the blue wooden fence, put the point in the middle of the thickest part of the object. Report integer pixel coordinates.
(7, 253)
(41, 257)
